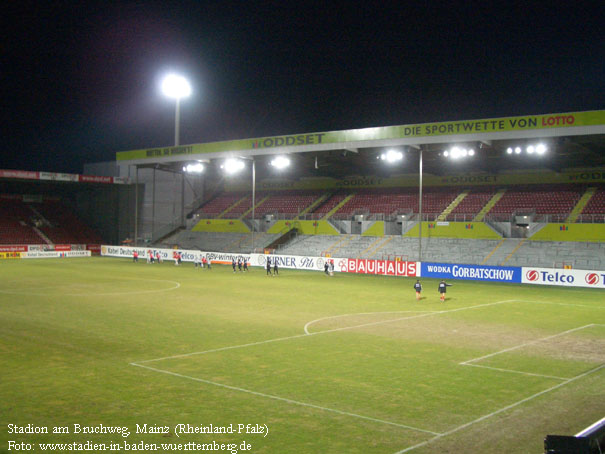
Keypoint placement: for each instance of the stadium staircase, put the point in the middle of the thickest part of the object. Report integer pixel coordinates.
(239, 202)
(42, 235)
(501, 252)
(573, 216)
(339, 244)
(319, 200)
(508, 257)
(453, 205)
(338, 207)
(373, 248)
(489, 205)
(263, 200)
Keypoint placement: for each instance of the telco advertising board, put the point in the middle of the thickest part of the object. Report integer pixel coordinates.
(471, 272)
(567, 278)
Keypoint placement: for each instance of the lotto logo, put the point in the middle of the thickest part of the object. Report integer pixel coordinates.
(592, 278)
(532, 275)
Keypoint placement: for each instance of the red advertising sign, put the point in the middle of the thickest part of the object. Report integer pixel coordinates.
(13, 248)
(62, 247)
(94, 179)
(94, 248)
(25, 174)
(384, 267)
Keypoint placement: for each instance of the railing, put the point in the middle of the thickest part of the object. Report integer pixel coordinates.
(427, 217)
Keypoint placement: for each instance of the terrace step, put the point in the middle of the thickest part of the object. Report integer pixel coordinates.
(489, 205)
(573, 216)
(453, 205)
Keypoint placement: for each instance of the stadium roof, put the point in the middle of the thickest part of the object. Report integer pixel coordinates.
(574, 139)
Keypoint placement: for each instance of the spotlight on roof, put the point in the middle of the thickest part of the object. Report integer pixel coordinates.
(198, 167)
(232, 166)
(392, 156)
(541, 148)
(280, 162)
(530, 149)
(517, 150)
(509, 150)
(458, 152)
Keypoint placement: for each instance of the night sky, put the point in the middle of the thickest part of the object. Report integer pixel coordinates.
(80, 82)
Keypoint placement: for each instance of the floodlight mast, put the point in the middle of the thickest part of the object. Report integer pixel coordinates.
(176, 87)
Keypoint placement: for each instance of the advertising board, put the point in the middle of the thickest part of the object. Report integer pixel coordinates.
(471, 272)
(565, 278)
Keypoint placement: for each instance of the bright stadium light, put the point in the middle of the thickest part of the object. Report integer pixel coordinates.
(517, 150)
(509, 150)
(232, 166)
(457, 152)
(194, 168)
(530, 149)
(176, 87)
(392, 156)
(541, 148)
(280, 162)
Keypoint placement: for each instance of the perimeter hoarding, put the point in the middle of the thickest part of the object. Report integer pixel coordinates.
(510, 274)
(565, 278)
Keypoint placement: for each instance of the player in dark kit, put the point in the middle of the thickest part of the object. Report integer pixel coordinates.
(233, 264)
(239, 264)
(269, 266)
(245, 265)
(275, 270)
(418, 288)
(442, 289)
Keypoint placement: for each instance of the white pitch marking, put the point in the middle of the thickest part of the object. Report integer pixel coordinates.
(360, 313)
(562, 304)
(512, 371)
(137, 292)
(508, 407)
(283, 399)
(279, 339)
(465, 363)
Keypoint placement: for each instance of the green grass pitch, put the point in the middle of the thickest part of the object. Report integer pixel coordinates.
(343, 364)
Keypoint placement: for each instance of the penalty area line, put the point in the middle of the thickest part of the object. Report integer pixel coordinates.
(501, 410)
(286, 400)
(296, 336)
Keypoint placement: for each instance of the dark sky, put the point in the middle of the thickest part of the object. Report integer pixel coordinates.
(81, 82)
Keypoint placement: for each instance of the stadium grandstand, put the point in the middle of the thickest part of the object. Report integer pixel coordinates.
(510, 191)
(507, 191)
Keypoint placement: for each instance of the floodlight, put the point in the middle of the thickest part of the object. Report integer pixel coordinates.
(175, 86)
(232, 165)
(530, 149)
(280, 162)
(194, 168)
(392, 156)
(471, 152)
(517, 150)
(509, 150)
(463, 152)
(541, 148)
(446, 153)
(455, 152)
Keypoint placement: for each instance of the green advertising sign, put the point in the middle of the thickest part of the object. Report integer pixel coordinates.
(357, 137)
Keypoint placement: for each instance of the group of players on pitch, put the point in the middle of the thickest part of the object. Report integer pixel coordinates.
(442, 290)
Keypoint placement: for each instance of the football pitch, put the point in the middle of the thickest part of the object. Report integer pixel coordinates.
(298, 363)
